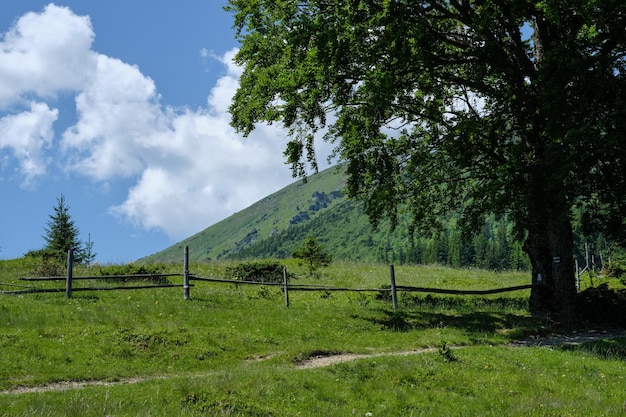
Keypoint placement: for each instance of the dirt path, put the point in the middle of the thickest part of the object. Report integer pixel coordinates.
(69, 385)
(572, 339)
(321, 360)
(324, 359)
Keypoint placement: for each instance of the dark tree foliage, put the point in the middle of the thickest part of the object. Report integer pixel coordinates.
(506, 107)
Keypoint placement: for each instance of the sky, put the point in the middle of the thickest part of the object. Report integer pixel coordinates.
(121, 107)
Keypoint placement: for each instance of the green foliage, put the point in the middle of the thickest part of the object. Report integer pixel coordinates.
(603, 305)
(256, 271)
(267, 217)
(348, 235)
(614, 269)
(48, 262)
(130, 269)
(88, 255)
(446, 353)
(62, 233)
(312, 254)
(467, 107)
(135, 269)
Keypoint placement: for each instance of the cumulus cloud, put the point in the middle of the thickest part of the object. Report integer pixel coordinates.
(198, 170)
(27, 135)
(188, 168)
(42, 55)
(118, 113)
(45, 53)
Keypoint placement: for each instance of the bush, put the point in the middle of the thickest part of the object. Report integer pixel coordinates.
(49, 263)
(614, 269)
(602, 305)
(131, 269)
(257, 271)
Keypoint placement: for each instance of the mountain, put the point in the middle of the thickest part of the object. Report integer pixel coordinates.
(274, 226)
(298, 203)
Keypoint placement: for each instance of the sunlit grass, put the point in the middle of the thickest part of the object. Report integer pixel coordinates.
(231, 350)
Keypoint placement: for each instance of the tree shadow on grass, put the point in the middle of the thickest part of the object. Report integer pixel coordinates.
(478, 323)
(610, 349)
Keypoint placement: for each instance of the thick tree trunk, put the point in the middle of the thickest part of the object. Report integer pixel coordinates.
(550, 249)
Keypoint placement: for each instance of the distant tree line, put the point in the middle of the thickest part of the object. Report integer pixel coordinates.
(494, 248)
(347, 234)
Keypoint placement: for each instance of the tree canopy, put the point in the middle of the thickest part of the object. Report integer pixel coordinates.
(506, 107)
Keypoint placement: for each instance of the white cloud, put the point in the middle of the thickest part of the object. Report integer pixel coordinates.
(118, 113)
(26, 135)
(199, 170)
(42, 55)
(191, 168)
(45, 53)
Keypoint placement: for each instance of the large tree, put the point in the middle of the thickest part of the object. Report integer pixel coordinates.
(512, 107)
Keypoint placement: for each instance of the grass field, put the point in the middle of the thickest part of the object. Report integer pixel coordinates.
(236, 351)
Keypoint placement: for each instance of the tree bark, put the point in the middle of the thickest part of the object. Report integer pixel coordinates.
(549, 246)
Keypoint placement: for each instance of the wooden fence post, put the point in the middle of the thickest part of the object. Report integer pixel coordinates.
(186, 274)
(68, 280)
(286, 287)
(394, 298)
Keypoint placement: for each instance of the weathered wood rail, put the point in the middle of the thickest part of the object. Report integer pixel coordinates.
(187, 277)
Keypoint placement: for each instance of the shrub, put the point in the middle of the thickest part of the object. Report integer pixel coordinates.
(256, 271)
(312, 254)
(143, 271)
(49, 262)
(602, 305)
(614, 269)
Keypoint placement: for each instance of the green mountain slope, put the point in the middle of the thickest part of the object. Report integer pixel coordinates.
(274, 226)
(297, 203)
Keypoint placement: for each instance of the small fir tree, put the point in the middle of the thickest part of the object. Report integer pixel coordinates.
(312, 253)
(62, 233)
(88, 255)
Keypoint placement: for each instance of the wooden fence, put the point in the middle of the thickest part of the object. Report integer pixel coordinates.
(70, 279)
(187, 277)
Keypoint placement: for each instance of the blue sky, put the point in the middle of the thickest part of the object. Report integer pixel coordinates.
(121, 107)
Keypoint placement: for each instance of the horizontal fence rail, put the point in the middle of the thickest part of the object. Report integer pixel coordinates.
(466, 292)
(104, 277)
(74, 289)
(187, 277)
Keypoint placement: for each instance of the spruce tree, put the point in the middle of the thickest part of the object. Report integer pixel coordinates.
(62, 233)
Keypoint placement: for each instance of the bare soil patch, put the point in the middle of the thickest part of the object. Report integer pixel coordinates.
(575, 338)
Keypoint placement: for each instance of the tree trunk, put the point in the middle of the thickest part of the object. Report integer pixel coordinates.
(550, 248)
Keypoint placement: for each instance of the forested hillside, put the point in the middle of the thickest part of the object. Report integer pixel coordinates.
(274, 226)
(346, 232)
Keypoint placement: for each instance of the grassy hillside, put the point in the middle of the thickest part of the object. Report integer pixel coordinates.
(276, 225)
(237, 351)
(297, 203)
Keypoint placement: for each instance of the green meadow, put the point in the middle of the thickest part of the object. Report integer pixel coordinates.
(237, 350)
